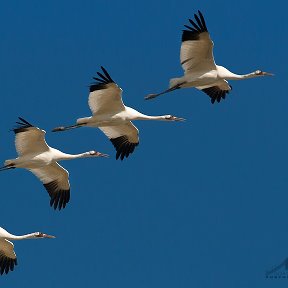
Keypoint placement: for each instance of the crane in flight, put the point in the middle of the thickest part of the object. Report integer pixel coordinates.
(35, 155)
(112, 117)
(8, 258)
(200, 70)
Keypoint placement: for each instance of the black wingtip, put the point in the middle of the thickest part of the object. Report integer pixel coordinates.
(21, 126)
(58, 198)
(198, 27)
(102, 81)
(6, 264)
(107, 74)
(25, 121)
(201, 15)
(123, 147)
(215, 93)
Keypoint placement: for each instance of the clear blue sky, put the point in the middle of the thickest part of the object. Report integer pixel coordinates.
(199, 204)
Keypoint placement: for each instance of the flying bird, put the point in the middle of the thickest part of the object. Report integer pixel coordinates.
(200, 70)
(8, 258)
(35, 155)
(112, 117)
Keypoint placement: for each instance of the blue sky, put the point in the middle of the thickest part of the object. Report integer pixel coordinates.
(199, 204)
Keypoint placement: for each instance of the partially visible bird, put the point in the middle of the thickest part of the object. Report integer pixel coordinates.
(8, 258)
(112, 117)
(200, 70)
(36, 156)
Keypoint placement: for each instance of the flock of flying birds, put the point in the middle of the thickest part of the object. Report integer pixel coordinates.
(113, 118)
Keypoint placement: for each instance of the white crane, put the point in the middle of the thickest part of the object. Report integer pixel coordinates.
(8, 258)
(200, 70)
(112, 117)
(36, 156)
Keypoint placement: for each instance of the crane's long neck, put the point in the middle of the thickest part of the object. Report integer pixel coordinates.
(65, 156)
(233, 76)
(148, 117)
(140, 116)
(21, 237)
(132, 114)
(228, 75)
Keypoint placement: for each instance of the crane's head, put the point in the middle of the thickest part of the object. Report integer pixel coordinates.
(97, 154)
(42, 235)
(262, 73)
(172, 118)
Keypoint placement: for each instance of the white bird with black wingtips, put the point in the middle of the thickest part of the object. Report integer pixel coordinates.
(8, 258)
(112, 117)
(36, 156)
(200, 70)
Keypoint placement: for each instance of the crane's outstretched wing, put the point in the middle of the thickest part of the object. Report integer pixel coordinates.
(105, 95)
(8, 257)
(197, 47)
(29, 139)
(55, 180)
(124, 138)
(217, 91)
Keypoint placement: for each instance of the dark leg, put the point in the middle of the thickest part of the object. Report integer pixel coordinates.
(62, 128)
(151, 96)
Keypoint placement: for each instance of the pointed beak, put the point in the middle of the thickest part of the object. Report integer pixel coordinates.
(98, 154)
(179, 119)
(48, 236)
(267, 74)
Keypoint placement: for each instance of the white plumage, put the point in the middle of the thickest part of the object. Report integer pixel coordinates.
(200, 70)
(112, 117)
(36, 156)
(8, 258)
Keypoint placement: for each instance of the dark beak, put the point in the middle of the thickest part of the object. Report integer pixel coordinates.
(98, 154)
(48, 236)
(267, 74)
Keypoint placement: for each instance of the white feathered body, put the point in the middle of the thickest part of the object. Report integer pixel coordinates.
(36, 159)
(200, 78)
(112, 118)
